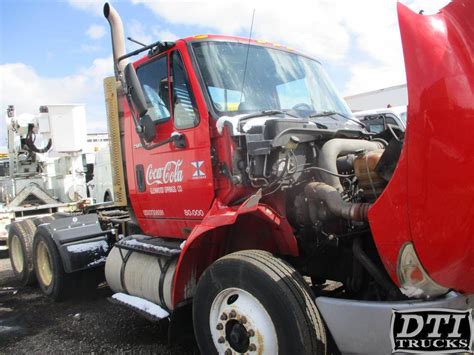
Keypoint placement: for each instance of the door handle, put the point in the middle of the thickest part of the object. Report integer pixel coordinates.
(140, 174)
(178, 139)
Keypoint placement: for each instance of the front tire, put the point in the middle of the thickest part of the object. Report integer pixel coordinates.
(252, 301)
(53, 280)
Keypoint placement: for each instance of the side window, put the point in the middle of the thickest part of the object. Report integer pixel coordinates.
(184, 106)
(153, 77)
(390, 120)
(403, 117)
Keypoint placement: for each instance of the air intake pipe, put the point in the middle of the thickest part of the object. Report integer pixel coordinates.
(118, 38)
(334, 148)
(319, 191)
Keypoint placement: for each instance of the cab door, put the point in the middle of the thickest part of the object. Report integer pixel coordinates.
(175, 179)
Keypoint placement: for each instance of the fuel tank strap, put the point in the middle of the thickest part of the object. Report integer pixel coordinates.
(164, 266)
(122, 269)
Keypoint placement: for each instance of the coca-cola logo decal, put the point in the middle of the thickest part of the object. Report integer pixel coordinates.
(170, 173)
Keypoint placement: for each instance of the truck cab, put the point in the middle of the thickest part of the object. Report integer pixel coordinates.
(195, 90)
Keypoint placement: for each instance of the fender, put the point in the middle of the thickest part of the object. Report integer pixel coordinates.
(81, 242)
(213, 234)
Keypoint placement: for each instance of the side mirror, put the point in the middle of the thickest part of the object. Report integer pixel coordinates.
(136, 92)
(148, 128)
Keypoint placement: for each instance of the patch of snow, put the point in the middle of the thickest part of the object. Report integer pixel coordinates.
(411, 291)
(232, 120)
(91, 246)
(134, 242)
(257, 121)
(141, 304)
(97, 262)
(260, 121)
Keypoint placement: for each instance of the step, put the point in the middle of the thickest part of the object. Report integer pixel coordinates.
(145, 308)
(150, 245)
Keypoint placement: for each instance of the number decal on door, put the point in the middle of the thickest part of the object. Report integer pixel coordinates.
(194, 213)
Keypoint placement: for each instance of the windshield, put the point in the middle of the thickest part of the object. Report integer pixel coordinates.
(274, 80)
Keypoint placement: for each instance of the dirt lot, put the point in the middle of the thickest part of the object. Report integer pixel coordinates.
(31, 323)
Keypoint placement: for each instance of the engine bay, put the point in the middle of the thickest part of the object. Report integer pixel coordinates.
(329, 177)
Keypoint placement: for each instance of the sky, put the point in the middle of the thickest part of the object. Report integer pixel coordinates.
(58, 52)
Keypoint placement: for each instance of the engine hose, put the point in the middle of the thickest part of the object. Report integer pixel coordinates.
(393, 292)
(319, 191)
(336, 147)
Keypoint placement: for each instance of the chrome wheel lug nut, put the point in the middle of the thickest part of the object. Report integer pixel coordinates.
(219, 326)
(221, 340)
(228, 352)
(252, 347)
(224, 316)
(243, 320)
(233, 314)
(251, 333)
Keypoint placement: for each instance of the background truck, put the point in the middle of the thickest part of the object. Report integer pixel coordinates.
(100, 186)
(378, 120)
(43, 172)
(249, 203)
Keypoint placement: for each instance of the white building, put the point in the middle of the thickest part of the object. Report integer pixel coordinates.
(393, 96)
(96, 141)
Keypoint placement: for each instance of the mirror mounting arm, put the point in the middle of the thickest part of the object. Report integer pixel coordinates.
(178, 139)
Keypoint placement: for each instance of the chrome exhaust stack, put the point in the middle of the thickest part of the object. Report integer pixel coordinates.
(118, 38)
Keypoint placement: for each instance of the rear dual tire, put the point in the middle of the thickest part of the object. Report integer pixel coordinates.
(35, 258)
(52, 279)
(252, 301)
(20, 246)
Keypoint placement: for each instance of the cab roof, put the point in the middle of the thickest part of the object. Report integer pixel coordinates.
(244, 40)
(237, 39)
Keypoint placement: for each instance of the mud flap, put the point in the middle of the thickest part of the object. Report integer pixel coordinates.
(81, 242)
(180, 329)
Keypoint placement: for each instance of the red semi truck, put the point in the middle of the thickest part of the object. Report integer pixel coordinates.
(252, 205)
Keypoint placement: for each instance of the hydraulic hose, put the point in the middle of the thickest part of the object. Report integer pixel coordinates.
(379, 277)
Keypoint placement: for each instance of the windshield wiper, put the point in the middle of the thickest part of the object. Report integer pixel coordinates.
(334, 113)
(267, 113)
(322, 114)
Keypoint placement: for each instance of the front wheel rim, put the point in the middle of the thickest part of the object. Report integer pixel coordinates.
(16, 250)
(45, 269)
(239, 323)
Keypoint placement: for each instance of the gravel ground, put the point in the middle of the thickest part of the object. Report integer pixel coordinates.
(31, 323)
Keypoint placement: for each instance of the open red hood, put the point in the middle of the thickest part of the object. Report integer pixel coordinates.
(430, 199)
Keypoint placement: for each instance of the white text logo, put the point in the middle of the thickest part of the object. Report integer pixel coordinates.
(170, 173)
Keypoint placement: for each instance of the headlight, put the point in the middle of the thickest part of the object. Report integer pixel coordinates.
(414, 280)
